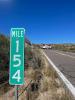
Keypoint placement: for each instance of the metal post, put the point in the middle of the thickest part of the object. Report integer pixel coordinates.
(16, 92)
(28, 94)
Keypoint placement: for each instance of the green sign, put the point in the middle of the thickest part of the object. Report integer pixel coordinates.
(16, 76)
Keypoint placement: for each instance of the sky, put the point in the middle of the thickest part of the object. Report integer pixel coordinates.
(45, 21)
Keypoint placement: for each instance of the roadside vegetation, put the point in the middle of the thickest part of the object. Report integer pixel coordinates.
(49, 86)
(41, 81)
(45, 84)
(4, 58)
(65, 47)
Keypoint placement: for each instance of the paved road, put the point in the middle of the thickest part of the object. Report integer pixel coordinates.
(65, 62)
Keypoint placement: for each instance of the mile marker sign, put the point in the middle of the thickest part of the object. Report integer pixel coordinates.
(16, 75)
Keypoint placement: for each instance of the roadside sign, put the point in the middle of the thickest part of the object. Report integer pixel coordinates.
(16, 75)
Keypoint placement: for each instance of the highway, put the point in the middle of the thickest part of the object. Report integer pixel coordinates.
(65, 62)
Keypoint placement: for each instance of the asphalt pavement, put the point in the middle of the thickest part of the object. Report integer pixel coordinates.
(65, 62)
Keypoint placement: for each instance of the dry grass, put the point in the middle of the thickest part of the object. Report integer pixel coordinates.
(30, 73)
(53, 95)
(50, 87)
(47, 71)
(46, 84)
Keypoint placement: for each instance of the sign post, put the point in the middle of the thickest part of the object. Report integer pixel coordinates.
(16, 92)
(16, 76)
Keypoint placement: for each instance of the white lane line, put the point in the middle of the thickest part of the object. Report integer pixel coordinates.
(64, 54)
(64, 79)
